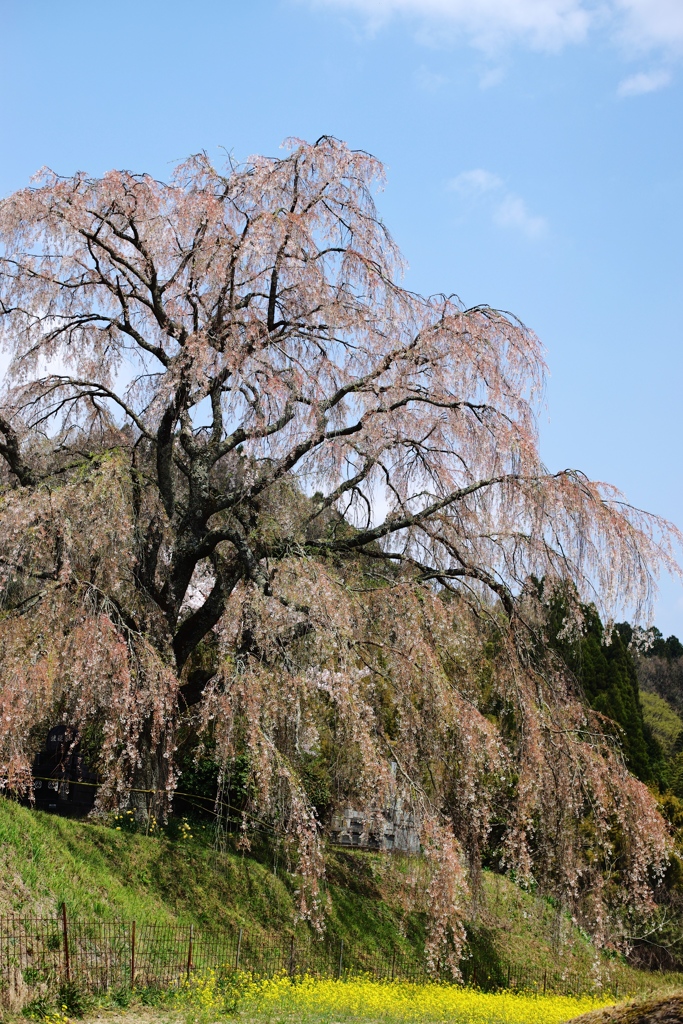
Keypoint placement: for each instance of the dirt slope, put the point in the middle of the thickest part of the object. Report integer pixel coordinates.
(652, 1011)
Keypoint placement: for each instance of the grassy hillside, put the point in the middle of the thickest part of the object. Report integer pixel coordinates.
(663, 676)
(102, 872)
(665, 724)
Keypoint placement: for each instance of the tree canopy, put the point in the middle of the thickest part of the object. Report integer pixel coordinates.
(255, 488)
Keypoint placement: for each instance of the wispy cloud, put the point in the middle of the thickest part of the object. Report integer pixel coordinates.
(508, 210)
(644, 82)
(475, 182)
(640, 26)
(514, 213)
(429, 81)
(645, 25)
(543, 24)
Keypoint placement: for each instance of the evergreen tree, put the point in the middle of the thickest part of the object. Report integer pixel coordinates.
(606, 671)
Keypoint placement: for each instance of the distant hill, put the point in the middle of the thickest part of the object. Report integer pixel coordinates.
(663, 676)
(658, 662)
(664, 723)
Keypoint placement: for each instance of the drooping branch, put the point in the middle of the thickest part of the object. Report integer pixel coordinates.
(254, 416)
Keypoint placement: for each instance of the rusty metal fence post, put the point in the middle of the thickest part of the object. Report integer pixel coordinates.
(132, 956)
(65, 933)
(189, 952)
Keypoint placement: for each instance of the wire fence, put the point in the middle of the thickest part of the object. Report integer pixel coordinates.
(37, 955)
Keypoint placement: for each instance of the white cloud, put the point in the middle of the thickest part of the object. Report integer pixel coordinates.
(646, 25)
(543, 24)
(637, 25)
(509, 210)
(475, 182)
(644, 82)
(514, 213)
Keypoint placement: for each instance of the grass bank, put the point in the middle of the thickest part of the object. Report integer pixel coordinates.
(376, 902)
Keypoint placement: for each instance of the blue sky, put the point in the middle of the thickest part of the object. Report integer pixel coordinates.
(534, 151)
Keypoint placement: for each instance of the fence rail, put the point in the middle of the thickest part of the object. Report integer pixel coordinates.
(39, 954)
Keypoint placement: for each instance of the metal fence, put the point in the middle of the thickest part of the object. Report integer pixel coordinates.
(39, 954)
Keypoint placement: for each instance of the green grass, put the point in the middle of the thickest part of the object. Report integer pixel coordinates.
(100, 872)
(376, 901)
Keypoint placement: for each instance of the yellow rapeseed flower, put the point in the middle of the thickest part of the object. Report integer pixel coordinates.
(305, 998)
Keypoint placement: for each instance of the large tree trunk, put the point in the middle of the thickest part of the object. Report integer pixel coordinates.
(149, 797)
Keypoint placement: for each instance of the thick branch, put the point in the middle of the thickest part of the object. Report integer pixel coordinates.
(194, 628)
(397, 523)
(164, 445)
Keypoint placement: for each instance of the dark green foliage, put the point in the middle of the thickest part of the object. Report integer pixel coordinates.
(481, 945)
(38, 1008)
(152, 996)
(316, 779)
(74, 999)
(121, 996)
(656, 646)
(197, 785)
(197, 792)
(606, 671)
(661, 648)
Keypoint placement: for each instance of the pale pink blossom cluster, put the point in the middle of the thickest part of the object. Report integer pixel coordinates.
(255, 491)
